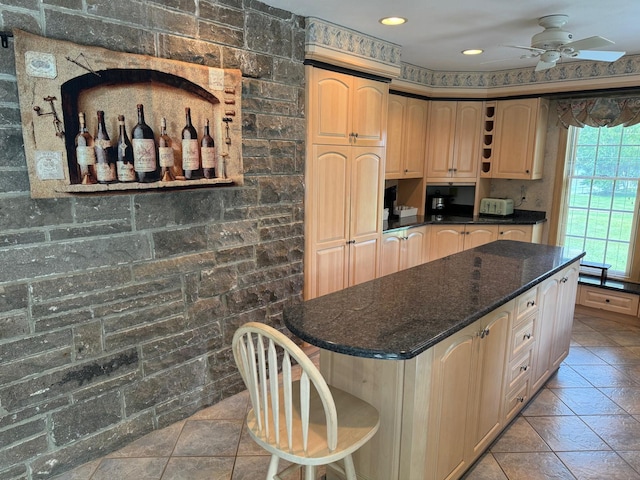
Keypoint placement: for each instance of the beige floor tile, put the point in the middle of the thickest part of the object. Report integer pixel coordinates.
(588, 339)
(255, 468)
(130, 468)
(83, 472)
(567, 377)
(632, 458)
(632, 371)
(199, 468)
(604, 376)
(209, 438)
(582, 356)
(567, 434)
(232, 408)
(579, 326)
(616, 355)
(626, 339)
(519, 437)
(627, 397)
(622, 432)
(591, 465)
(546, 403)
(159, 443)
(588, 401)
(486, 468)
(533, 466)
(248, 446)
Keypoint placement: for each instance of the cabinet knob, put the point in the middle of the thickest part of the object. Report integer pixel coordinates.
(520, 399)
(607, 300)
(526, 336)
(524, 368)
(564, 279)
(484, 332)
(527, 171)
(531, 303)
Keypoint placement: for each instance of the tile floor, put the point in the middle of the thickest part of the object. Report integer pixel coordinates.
(584, 424)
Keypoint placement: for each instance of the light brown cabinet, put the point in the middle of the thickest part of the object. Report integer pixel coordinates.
(454, 133)
(406, 137)
(346, 110)
(406, 248)
(450, 239)
(344, 222)
(601, 298)
(521, 233)
(519, 139)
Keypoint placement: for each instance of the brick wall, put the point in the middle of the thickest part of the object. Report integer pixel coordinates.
(116, 312)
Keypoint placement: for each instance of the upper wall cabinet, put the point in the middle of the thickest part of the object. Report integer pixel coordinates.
(453, 141)
(519, 140)
(347, 110)
(406, 137)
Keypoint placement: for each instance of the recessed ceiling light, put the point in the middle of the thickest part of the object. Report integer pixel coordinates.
(472, 51)
(393, 20)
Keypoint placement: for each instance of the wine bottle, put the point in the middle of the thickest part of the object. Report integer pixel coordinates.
(85, 153)
(105, 156)
(145, 160)
(208, 151)
(165, 153)
(125, 169)
(190, 149)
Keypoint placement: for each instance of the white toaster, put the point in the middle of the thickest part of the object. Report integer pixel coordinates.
(496, 206)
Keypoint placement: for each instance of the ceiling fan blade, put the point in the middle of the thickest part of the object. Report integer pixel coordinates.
(590, 43)
(531, 49)
(599, 55)
(544, 66)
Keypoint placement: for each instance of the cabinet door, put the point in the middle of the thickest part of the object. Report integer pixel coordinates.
(395, 137)
(390, 252)
(517, 142)
(476, 236)
(370, 104)
(441, 135)
(489, 368)
(520, 233)
(450, 401)
(415, 247)
(544, 330)
(468, 137)
(564, 318)
(446, 240)
(415, 138)
(328, 210)
(330, 107)
(363, 261)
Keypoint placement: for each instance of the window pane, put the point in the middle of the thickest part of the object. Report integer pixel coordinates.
(617, 254)
(607, 161)
(602, 194)
(624, 197)
(595, 249)
(577, 222)
(585, 162)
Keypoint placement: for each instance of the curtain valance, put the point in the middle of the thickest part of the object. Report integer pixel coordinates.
(599, 112)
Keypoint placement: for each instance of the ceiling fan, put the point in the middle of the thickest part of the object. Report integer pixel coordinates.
(554, 43)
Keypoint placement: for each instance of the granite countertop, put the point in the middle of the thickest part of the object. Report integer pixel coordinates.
(399, 316)
(519, 217)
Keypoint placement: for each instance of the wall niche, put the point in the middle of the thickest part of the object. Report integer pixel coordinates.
(59, 79)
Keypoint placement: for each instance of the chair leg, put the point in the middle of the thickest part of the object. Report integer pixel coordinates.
(349, 469)
(273, 467)
(310, 472)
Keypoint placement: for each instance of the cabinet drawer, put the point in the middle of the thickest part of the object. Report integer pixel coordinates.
(515, 400)
(522, 336)
(520, 368)
(619, 302)
(526, 303)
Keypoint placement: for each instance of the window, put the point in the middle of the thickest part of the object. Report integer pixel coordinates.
(601, 195)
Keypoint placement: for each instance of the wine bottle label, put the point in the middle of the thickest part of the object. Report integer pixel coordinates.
(166, 158)
(144, 154)
(126, 172)
(85, 155)
(101, 143)
(208, 157)
(105, 172)
(190, 155)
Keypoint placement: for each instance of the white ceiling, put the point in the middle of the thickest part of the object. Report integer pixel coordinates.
(438, 30)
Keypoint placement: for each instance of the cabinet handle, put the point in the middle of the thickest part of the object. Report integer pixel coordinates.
(526, 336)
(607, 300)
(484, 332)
(564, 279)
(350, 241)
(531, 303)
(524, 368)
(520, 399)
(527, 171)
(501, 233)
(405, 238)
(455, 169)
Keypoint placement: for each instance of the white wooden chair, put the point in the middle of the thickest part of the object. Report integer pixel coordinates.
(305, 422)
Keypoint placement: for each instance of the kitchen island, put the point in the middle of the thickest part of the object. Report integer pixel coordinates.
(448, 351)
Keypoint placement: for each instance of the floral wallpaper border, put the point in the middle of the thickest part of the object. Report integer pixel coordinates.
(350, 42)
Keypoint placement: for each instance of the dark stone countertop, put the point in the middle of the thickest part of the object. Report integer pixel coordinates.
(519, 217)
(399, 316)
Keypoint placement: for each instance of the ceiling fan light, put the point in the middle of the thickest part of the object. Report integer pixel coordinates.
(393, 21)
(472, 51)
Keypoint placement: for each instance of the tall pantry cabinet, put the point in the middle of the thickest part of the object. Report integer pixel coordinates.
(344, 175)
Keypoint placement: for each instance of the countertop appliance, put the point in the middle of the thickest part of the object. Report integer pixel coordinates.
(438, 203)
(496, 206)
